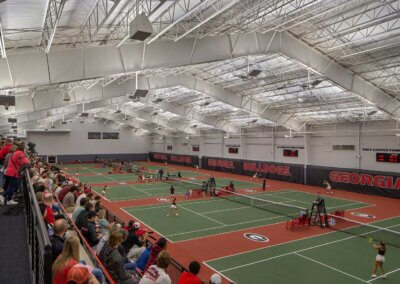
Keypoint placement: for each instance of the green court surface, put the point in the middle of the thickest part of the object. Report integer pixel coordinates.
(137, 191)
(108, 178)
(214, 216)
(332, 258)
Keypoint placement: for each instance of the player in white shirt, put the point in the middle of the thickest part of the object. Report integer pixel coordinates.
(328, 187)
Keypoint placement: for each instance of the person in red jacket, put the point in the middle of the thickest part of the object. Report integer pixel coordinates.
(17, 161)
(6, 149)
(3, 153)
(190, 277)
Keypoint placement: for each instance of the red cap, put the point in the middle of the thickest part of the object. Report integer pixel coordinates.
(78, 274)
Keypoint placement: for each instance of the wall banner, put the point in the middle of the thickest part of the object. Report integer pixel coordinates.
(362, 181)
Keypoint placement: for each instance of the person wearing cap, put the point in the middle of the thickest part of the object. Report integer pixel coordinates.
(80, 274)
(134, 245)
(156, 274)
(89, 230)
(215, 279)
(190, 277)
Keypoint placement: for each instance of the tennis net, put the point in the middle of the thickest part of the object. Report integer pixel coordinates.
(363, 230)
(278, 208)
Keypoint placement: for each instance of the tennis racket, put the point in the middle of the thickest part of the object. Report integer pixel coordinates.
(370, 240)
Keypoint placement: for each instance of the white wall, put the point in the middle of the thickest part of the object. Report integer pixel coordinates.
(77, 142)
(267, 145)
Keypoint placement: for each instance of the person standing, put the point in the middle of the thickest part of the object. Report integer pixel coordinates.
(172, 190)
(264, 184)
(379, 259)
(18, 160)
(328, 187)
(161, 173)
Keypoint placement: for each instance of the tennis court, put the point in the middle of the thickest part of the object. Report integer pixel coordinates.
(335, 257)
(220, 215)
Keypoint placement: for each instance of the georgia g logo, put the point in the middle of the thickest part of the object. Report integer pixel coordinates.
(256, 237)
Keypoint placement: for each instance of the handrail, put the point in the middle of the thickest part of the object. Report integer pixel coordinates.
(38, 238)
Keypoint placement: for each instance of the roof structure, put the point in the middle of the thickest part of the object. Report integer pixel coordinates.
(210, 65)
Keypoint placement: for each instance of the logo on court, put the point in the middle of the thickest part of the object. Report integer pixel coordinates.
(122, 182)
(99, 174)
(256, 237)
(163, 199)
(363, 215)
(249, 190)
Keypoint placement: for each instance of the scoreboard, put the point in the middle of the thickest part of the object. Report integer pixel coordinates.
(290, 153)
(388, 158)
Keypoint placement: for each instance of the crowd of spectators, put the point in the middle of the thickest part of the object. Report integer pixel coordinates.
(125, 252)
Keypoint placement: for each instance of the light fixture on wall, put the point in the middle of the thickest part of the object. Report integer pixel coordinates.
(290, 134)
(226, 136)
(398, 134)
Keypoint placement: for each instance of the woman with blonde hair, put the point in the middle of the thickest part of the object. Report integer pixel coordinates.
(66, 260)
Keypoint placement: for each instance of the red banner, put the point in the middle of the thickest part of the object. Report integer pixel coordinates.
(266, 168)
(381, 181)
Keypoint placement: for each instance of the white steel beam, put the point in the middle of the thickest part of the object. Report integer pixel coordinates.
(53, 15)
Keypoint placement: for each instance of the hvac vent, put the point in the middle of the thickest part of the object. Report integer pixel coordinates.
(140, 28)
(139, 94)
(343, 147)
(84, 114)
(12, 120)
(7, 101)
(14, 127)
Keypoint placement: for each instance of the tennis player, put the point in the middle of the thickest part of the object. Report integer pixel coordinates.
(328, 187)
(379, 259)
(172, 190)
(173, 208)
(255, 176)
(104, 191)
(264, 184)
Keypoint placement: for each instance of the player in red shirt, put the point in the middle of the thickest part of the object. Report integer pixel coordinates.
(190, 277)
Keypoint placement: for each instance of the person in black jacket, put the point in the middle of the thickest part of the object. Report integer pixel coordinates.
(57, 239)
(82, 217)
(89, 230)
(113, 260)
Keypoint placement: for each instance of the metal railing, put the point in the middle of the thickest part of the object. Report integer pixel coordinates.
(38, 239)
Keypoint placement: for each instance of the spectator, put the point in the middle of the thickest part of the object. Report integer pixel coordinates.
(48, 201)
(5, 163)
(80, 274)
(57, 239)
(134, 245)
(58, 189)
(98, 204)
(69, 199)
(79, 209)
(191, 276)
(66, 260)
(64, 191)
(215, 279)
(89, 230)
(39, 197)
(156, 273)
(96, 198)
(104, 239)
(113, 260)
(104, 225)
(18, 160)
(40, 187)
(82, 217)
(81, 194)
(155, 250)
(143, 258)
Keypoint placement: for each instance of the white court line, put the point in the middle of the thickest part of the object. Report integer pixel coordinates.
(301, 250)
(230, 225)
(223, 210)
(393, 271)
(134, 217)
(330, 267)
(180, 206)
(293, 241)
(226, 277)
(148, 194)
